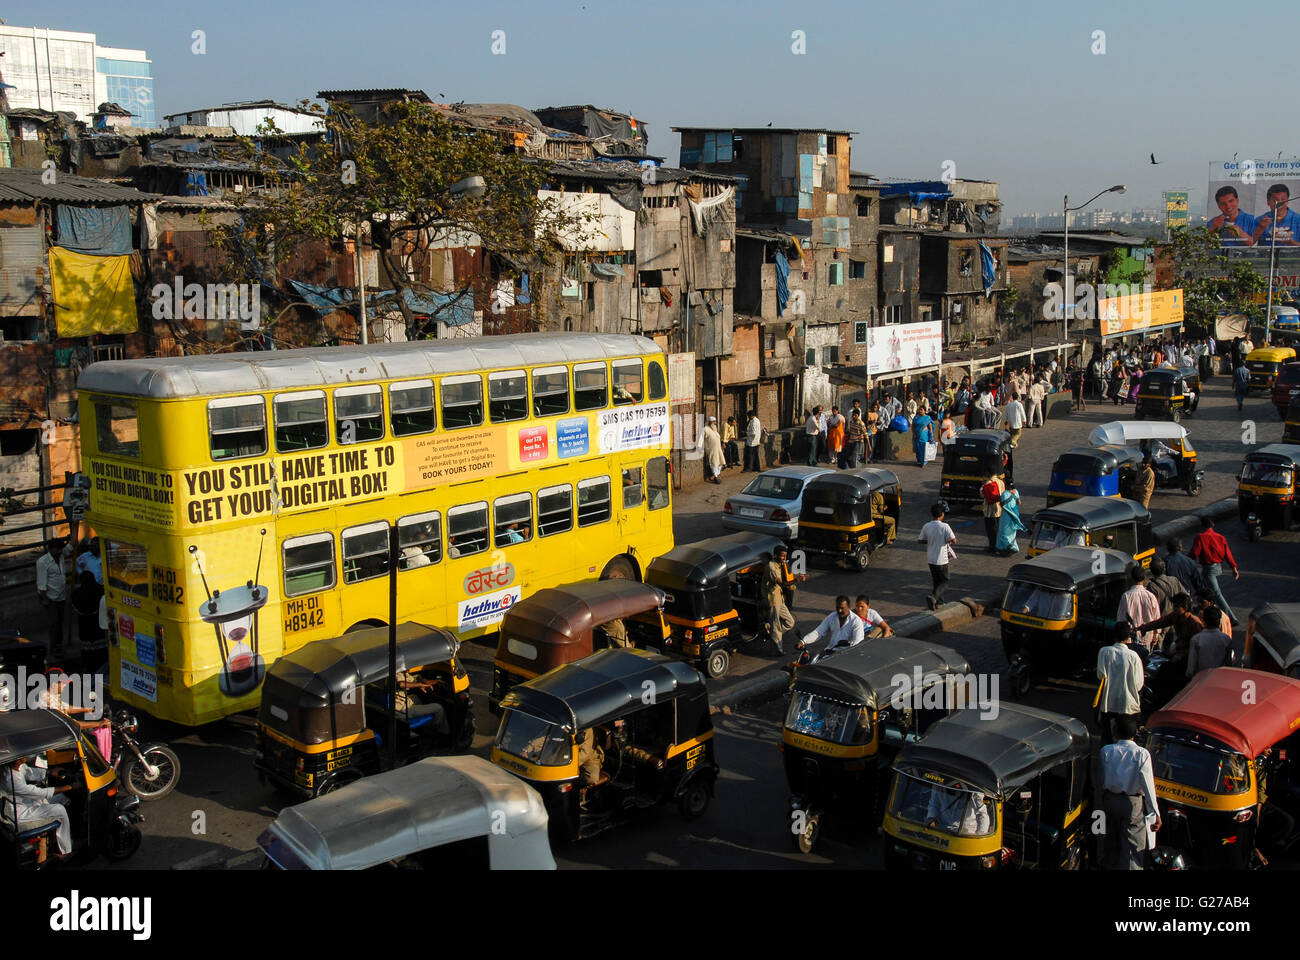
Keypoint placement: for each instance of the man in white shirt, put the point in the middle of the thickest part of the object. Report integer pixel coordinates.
(955, 811)
(984, 404)
(753, 435)
(889, 409)
(1121, 669)
(841, 629)
(1140, 605)
(873, 624)
(1128, 791)
(52, 589)
(1209, 648)
(938, 539)
(812, 429)
(1014, 416)
(28, 803)
(1036, 393)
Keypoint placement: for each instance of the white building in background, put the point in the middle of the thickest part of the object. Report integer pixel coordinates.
(59, 70)
(246, 116)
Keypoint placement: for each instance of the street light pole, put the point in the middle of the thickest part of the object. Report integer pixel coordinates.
(1272, 261)
(1065, 269)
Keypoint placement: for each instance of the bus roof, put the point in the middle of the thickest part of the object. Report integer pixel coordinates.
(165, 378)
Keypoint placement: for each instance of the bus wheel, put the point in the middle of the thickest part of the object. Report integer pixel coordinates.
(620, 568)
(717, 663)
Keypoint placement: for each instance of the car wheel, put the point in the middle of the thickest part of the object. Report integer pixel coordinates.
(717, 663)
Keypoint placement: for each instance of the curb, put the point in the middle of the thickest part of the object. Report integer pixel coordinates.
(923, 624)
(218, 860)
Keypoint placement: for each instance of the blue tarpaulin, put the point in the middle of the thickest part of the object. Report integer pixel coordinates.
(523, 296)
(445, 307)
(782, 288)
(196, 185)
(98, 231)
(916, 190)
(987, 269)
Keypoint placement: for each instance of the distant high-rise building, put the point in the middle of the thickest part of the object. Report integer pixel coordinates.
(58, 70)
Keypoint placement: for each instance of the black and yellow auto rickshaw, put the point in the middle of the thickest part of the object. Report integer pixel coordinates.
(1059, 609)
(1162, 393)
(1266, 489)
(968, 461)
(1273, 639)
(1095, 522)
(325, 712)
(648, 718)
(102, 813)
(1224, 781)
(836, 518)
(1264, 364)
(1291, 426)
(849, 716)
(985, 793)
(711, 596)
(561, 624)
(1191, 375)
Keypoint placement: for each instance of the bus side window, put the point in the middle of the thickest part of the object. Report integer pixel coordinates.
(410, 406)
(236, 427)
(658, 382)
(467, 529)
(359, 414)
(117, 427)
(462, 402)
(308, 564)
(554, 509)
(628, 385)
(419, 540)
(593, 501)
(590, 386)
(632, 493)
(508, 395)
(514, 519)
(657, 482)
(301, 422)
(365, 552)
(550, 391)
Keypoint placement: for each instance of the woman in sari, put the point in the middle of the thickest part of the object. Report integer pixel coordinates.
(835, 437)
(1134, 385)
(1010, 524)
(922, 433)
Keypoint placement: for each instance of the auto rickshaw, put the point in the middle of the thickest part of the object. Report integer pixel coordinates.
(561, 624)
(1095, 522)
(103, 814)
(1291, 426)
(835, 519)
(19, 651)
(649, 716)
(442, 813)
(1224, 780)
(1100, 471)
(849, 716)
(1264, 364)
(711, 596)
(325, 711)
(1162, 393)
(1175, 462)
(1273, 639)
(968, 461)
(985, 793)
(1266, 489)
(1191, 375)
(1059, 609)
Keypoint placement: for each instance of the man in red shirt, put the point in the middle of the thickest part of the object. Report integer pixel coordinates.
(1211, 550)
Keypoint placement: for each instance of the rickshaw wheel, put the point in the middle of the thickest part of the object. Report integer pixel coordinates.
(122, 843)
(1193, 488)
(1252, 532)
(1021, 680)
(806, 839)
(1175, 415)
(862, 558)
(717, 663)
(334, 783)
(694, 801)
(618, 569)
(1139, 414)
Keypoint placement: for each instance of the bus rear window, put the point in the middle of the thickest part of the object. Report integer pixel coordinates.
(411, 407)
(657, 482)
(593, 501)
(117, 428)
(508, 395)
(128, 568)
(359, 414)
(658, 382)
(628, 386)
(590, 386)
(550, 391)
(308, 564)
(300, 421)
(462, 402)
(236, 427)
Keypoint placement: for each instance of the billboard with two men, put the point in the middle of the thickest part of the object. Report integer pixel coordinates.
(1249, 202)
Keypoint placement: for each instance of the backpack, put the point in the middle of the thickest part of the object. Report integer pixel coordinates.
(991, 492)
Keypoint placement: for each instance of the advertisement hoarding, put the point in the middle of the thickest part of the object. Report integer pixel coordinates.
(1239, 198)
(1141, 311)
(897, 347)
(1175, 210)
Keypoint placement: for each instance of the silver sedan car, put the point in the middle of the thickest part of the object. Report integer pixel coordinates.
(770, 502)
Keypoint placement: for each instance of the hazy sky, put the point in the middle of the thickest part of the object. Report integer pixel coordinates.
(1009, 91)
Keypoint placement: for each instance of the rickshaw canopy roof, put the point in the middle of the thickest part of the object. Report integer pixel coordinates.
(1065, 568)
(1088, 513)
(997, 754)
(1212, 703)
(430, 803)
(1275, 453)
(1278, 626)
(698, 565)
(324, 670)
(603, 686)
(1162, 374)
(24, 733)
(568, 614)
(1271, 354)
(853, 484)
(1131, 431)
(980, 441)
(864, 674)
(1094, 461)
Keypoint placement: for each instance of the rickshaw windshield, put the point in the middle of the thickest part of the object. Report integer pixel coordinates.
(534, 740)
(1035, 601)
(954, 810)
(1267, 474)
(1198, 767)
(830, 720)
(1049, 536)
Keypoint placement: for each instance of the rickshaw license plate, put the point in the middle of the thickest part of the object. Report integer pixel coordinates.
(693, 756)
(752, 512)
(339, 753)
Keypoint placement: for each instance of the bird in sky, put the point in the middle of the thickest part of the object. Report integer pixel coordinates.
(1153, 158)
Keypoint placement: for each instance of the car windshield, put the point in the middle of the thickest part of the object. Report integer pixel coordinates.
(773, 488)
(1049, 536)
(829, 720)
(534, 740)
(954, 809)
(1198, 767)
(1268, 474)
(1034, 601)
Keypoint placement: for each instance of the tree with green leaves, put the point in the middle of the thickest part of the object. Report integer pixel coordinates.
(1213, 282)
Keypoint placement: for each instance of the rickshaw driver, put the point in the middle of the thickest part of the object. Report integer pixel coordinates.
(878, 513)
(1162, 455)
(26, 801)
(843, 628)
(616, 634)
(412, 708)
(954, 811)
(591, 762)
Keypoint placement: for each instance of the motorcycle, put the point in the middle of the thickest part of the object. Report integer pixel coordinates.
(149, 771)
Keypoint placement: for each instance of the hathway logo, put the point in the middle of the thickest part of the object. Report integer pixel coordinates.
(486, 610)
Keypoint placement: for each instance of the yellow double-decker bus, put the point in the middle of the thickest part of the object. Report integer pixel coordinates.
(244, 501)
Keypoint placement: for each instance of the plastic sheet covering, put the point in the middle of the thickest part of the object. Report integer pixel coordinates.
(987, 269)
(627, 195)
(101, 231)
(451, 308)
(710, 210)
(782, 286)
(606, 271)
(92, 294)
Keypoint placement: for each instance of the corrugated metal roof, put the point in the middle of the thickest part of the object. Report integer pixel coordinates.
(624, 170)
(25, 186)
(396, 91)
(850, 133)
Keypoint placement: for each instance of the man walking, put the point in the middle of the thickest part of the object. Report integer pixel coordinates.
(812, 433)
(1036, 393)
(1240, 384)
(1014, 417)
(52, 589)
(1120, 669)
(1209, 648)
(712, 444)
(776, 614)
(1210, 549)
(1144, 484)
(1128, 795)
(1180, 565)
(938, 539)
(1166, 589)
(1139, 605)
(753, 433)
